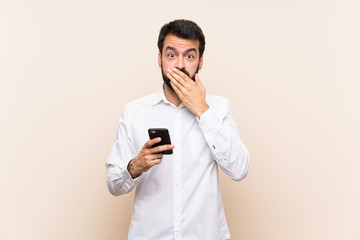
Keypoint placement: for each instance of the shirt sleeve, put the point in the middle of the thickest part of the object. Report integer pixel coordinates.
(118, 179)
(224, 141)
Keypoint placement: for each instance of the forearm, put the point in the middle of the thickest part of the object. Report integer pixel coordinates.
(118, 179)
(225, 144)
(234, 159)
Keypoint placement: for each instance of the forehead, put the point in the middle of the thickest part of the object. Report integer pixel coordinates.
(180, 44)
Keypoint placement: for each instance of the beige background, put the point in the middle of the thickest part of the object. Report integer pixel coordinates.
(290, 69)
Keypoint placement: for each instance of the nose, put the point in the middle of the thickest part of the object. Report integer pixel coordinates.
(180, 63)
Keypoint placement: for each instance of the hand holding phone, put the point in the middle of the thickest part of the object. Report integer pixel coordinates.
(163, 133)
(148, 157)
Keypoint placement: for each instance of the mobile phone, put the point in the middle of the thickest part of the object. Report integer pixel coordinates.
(165, 137)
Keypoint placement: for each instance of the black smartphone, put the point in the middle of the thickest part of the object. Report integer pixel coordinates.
(165, 137)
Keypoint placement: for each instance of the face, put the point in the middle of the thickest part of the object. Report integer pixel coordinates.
(182, 54)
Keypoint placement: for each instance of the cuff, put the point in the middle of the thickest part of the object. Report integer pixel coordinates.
(209, 126)
(129, 180)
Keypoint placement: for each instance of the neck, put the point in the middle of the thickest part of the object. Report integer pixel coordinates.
(171, 96)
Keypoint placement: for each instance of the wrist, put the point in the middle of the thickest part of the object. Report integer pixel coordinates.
(201, 111)
(132, 169)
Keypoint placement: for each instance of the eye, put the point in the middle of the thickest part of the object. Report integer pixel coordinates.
(171, 55)
(189, 56)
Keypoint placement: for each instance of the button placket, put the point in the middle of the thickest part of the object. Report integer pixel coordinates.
(177, 175)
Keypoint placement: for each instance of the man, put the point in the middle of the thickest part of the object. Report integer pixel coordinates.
(177, 196)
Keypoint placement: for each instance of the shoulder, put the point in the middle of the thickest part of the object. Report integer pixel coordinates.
(142, 102)
(138, 106)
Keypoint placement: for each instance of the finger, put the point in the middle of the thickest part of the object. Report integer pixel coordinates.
(185, 77)
(176, 83)
(151, 162)
(162, 148)
(178, 78)
(151, 142)
(153, 157)
(176, 89)
(156, 161)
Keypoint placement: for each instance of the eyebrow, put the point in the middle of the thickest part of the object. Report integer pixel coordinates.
(174, 49)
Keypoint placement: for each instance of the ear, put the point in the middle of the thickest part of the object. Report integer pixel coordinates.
(159, 59)
(201, 62)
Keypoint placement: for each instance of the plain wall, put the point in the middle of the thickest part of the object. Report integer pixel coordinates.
(289, 68)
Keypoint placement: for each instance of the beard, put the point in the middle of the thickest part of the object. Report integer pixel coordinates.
(167, 80)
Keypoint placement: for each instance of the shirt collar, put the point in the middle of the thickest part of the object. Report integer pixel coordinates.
(160, 97)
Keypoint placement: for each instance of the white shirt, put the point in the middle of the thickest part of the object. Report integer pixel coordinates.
(180, 197)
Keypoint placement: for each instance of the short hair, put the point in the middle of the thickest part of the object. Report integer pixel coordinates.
(185, 29)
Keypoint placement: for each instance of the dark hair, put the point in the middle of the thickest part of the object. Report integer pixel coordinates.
(185, 29)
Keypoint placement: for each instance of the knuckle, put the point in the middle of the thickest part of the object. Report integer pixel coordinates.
(142, 152)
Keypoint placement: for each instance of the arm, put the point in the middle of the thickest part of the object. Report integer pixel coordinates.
(219, 129)
(224, 142)
(122, 174)
(118, 179)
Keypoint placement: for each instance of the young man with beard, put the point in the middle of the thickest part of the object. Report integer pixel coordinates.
(177, 196)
